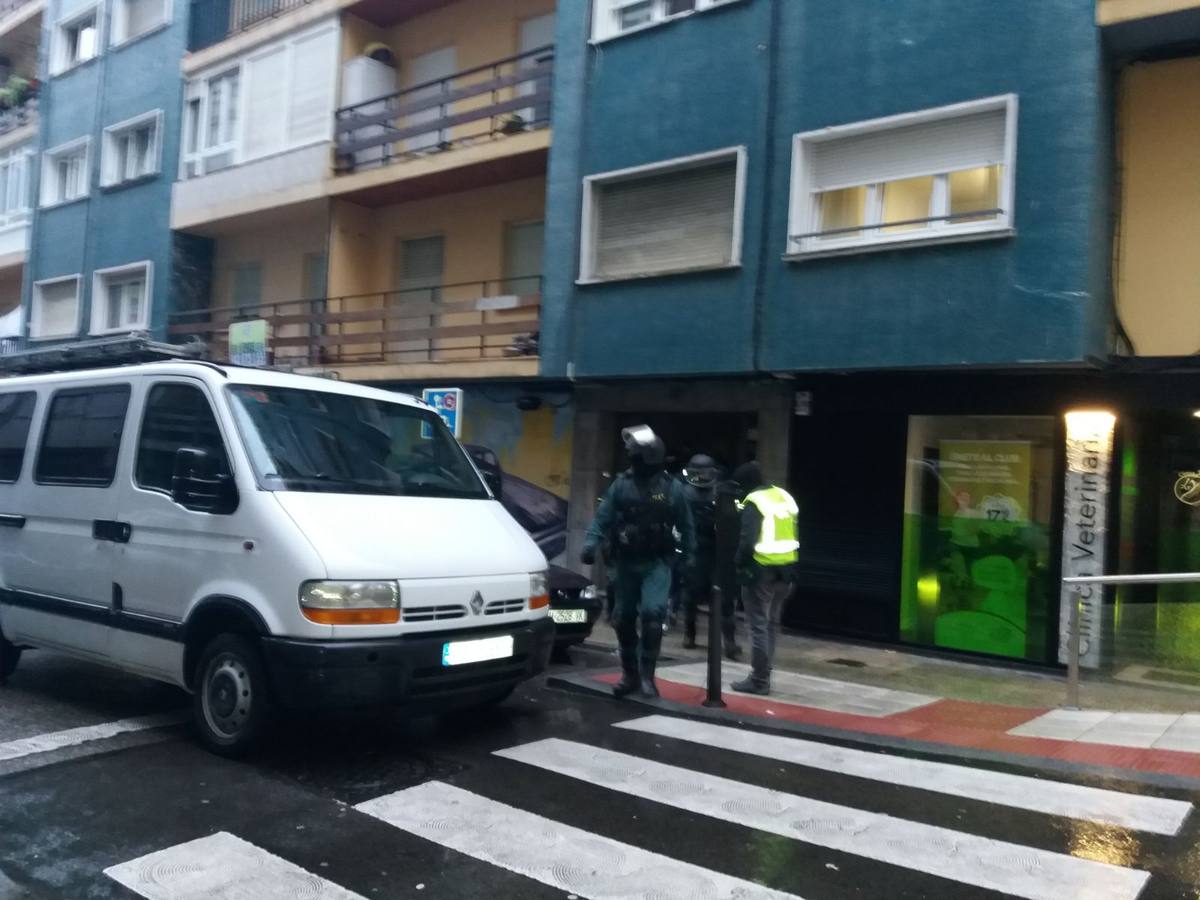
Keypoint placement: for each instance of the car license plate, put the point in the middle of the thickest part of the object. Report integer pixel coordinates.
(569, 616)
(457, 653)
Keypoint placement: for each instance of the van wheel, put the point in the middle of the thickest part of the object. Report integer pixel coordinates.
(10, 655)
(232, 704)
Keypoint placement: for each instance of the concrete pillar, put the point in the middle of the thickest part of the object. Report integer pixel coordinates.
(590, 460)
(774, 443)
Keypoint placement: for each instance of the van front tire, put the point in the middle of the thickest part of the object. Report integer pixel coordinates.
(10, 655)
(232, 703)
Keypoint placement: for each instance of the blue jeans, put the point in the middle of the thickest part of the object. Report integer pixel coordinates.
(643, 589)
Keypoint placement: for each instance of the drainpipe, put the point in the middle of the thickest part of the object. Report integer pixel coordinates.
(765, 256)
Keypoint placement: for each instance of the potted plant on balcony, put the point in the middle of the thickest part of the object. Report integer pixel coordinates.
(15, 92)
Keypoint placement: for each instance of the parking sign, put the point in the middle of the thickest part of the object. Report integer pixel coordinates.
(448, 403)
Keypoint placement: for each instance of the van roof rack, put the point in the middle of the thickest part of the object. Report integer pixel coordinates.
(118, 351)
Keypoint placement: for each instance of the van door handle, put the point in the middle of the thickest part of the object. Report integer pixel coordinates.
(7, 521)
(108, 530)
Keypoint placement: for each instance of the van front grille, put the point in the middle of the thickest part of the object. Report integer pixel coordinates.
(500, 607)
(434, 613)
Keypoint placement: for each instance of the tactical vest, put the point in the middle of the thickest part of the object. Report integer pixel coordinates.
(777, 544)
(642, 527)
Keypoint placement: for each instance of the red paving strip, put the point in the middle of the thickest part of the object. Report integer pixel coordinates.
(955, 723)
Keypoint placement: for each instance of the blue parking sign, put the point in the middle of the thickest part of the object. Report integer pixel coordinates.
(448, 404)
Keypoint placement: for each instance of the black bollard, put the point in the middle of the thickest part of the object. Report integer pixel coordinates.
(714, 650)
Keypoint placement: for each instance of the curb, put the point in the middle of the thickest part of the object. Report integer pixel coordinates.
(587, 684)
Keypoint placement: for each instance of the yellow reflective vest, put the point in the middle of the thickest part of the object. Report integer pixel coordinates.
(777, 544)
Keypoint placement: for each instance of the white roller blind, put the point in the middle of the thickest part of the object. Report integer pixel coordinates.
(314, 77)
(664, 222)
(59, 308)
(967, 141)
(266, 106)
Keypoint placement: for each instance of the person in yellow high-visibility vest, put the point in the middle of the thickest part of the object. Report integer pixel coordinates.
(766, 562)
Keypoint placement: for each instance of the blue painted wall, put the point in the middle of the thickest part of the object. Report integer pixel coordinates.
(757, 72)
(127, 224)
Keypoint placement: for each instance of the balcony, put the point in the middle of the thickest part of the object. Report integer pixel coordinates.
(18, 105)
(476, 329)
(212, 21)
(484, 124)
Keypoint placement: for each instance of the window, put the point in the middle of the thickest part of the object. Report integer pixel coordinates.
(177, 416)
(55, 312)
(15, 185)
(65, 173)
(131, 149)
(76, 40)
(943, 174)
(616, 17)
(677, 216)
(83, 436)
(324, 442)
(16, 412)
(247, 285)
(133, 18)
(120, 298)
(279, 98)
(212, 123)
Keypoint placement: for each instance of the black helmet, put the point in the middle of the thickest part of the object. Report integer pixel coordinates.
(701, 470)
(644, 447)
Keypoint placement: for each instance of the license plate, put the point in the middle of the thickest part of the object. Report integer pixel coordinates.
(458, 653)
(569, 616)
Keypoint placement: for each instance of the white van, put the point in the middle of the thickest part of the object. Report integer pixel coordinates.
(263, 540)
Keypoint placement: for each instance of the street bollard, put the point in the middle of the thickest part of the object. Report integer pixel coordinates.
(714, 650)
(1073, 649)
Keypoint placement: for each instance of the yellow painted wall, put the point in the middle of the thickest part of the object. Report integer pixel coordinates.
(280, 250)
(1157, 266)
(363, 250)
(481, 30)
(1109, 12)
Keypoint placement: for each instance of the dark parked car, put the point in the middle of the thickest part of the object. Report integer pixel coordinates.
(575, 605)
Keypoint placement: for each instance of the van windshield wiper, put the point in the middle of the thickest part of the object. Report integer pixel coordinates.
(332, 481)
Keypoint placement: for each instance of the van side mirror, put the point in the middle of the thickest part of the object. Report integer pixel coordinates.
(495, 482)
(195, 484)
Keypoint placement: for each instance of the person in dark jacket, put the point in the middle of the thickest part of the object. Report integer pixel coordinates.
(639, 516)
(766, 558)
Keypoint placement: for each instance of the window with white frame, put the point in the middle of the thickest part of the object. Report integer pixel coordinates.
(120, 298)
(133, 18)
(55, 309)
(65, 172)
(678, 216)
(76, 39)
(611, 18)
(131, 149)
(937, 175)
(278, 98)
(15, 184)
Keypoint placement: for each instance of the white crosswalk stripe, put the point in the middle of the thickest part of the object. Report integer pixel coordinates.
(1027, 872)
(573, 860)
(1099, 805)
(222, 867)
(71, 737)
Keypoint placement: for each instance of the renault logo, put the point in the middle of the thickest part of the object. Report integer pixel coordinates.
(477, 603)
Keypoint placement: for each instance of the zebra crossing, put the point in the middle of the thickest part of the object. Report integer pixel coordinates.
(524, 836)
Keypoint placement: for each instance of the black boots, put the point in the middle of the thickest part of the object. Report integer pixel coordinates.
(629, 676)
(648, 687)
(689, 635)
(732, 650)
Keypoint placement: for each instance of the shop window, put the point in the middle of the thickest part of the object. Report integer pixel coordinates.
(937, 175)
(979, 505)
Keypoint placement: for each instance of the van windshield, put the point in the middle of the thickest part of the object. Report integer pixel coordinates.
(334, 443)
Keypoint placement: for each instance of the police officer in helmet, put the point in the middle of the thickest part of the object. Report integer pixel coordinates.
(639, 516)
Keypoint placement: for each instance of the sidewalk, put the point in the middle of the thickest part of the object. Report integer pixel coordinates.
(857, 691)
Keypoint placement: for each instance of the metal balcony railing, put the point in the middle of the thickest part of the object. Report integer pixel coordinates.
(506, 97)
(442, 323)
(211, 21)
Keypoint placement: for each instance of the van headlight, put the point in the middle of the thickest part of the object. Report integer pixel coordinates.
(539, 590)
(351, 602)
(591, 592)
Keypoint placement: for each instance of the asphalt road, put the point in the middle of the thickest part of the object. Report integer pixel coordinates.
(552, 794)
